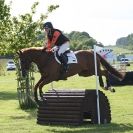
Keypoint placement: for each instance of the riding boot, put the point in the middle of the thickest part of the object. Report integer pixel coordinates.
(64, 62)
(64, 68)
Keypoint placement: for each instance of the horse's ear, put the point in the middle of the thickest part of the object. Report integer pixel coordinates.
(19, 52)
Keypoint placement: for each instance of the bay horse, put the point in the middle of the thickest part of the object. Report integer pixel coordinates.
(49, 68)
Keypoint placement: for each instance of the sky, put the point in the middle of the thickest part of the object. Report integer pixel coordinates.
(104, 20)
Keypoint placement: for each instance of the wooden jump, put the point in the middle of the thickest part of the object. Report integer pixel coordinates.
(73, 107)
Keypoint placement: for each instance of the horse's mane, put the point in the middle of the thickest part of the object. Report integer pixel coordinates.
(31, 49)
(80, 51)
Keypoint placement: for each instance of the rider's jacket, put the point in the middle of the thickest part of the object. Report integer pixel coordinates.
(56, 38)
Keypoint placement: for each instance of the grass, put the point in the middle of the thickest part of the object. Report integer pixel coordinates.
(15, 120)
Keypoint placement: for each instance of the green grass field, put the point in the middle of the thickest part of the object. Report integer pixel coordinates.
(15, 120)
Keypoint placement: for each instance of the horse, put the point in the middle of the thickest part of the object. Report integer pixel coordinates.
(49, 68)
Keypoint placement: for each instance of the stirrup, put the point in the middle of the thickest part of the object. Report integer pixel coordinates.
(65, 68)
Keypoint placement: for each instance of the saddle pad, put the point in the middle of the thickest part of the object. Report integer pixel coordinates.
(71, 58)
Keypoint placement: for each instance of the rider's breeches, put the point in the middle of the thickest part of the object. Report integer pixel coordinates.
(63, 48)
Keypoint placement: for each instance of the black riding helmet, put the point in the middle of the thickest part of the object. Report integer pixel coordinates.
(48, 25)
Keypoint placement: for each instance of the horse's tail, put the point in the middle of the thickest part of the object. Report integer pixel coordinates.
(111, 69)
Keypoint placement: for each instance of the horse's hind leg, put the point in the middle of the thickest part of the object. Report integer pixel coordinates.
(101, 81)
(108, 84)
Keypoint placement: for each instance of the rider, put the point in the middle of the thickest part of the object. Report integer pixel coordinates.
(56, 41)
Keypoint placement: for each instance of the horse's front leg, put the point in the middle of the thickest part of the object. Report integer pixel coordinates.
(44, 82)
(40, 91)
(35, 89)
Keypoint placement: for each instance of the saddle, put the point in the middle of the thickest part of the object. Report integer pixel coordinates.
(69, 55)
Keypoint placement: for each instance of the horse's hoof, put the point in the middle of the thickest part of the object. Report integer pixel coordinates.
(43, 100)
(112, 90)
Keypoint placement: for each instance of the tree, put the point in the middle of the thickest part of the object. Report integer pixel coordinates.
(17, 33)
(5, 25)
(20, 32)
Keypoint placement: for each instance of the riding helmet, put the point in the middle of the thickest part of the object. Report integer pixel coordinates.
(48, 25)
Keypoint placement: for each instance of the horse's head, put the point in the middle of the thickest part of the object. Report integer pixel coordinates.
(24, 62)
(34, 54)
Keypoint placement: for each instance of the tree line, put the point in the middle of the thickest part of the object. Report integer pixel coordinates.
(125, 42)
